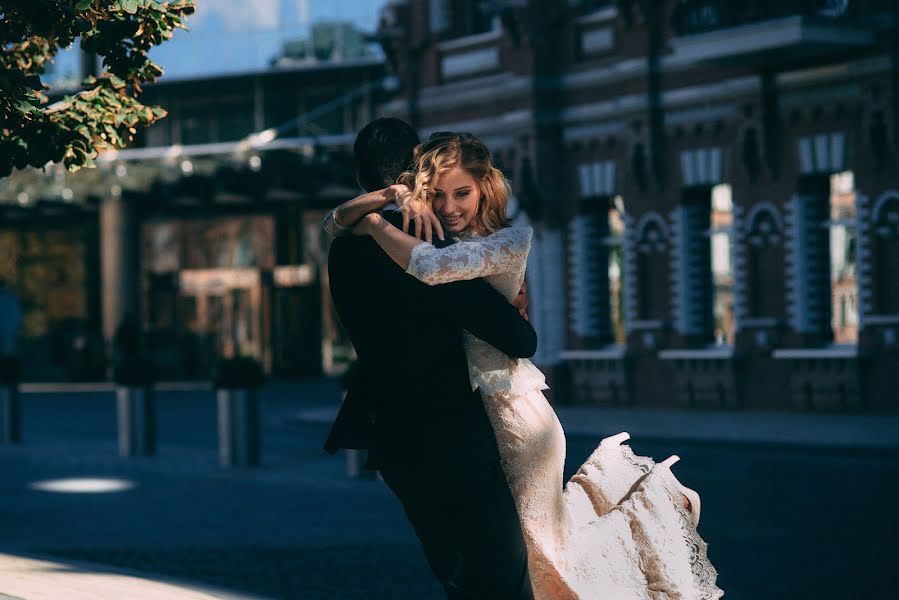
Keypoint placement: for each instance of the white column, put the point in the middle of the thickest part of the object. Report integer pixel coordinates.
(119, 263)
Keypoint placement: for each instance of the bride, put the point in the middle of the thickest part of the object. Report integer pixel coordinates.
(623, 527)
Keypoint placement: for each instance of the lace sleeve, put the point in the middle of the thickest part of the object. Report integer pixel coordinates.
(505, 251)
(332, 227)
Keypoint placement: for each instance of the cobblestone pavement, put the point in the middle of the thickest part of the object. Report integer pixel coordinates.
(781, 522)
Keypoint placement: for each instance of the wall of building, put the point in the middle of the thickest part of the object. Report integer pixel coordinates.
(754, 154)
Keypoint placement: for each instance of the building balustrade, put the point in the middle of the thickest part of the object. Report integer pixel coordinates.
(824, 379)
(700, 16)
(601, 377)
(705, 377)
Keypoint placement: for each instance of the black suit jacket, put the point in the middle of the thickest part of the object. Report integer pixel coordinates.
(410, 398)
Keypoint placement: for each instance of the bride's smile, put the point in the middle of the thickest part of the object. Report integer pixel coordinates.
(455, 200)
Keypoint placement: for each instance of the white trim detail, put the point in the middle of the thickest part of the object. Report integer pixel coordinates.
(494, 35)
(796, 308)
(652, 217)
(588, 280)
(832, 351)
(484, 90)
(593, 131)
(738, 260)
(702, 166)
(472, 61)
(603, 15)
(595, 41)
(766, 36)
(612, 352)
(677, 259)
(760, 207)
(761, 322)
(504, 124)
(822, 153)
(863, 260)
(710, 353)
(883, 319)
(881, 202)
(808, 280)
(597, 178)
(629, 277)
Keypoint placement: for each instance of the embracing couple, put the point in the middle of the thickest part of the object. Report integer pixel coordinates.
(453, 412)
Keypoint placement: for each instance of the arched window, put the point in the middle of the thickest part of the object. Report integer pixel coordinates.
(764, 243)
(652, 268)
(595, 237)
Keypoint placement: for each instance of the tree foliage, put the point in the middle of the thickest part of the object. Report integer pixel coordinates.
(106, 114)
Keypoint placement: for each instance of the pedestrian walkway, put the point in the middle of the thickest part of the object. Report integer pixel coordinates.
(178, 525)
(838, 431)
(32, 578)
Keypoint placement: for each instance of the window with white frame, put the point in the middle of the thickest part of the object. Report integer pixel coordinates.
(615, 243)
(821, 262)
(702, 230)
(691, 261)
(843, 281)
(722, 267)
(595, 258)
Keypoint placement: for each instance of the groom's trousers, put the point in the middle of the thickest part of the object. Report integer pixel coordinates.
(468, 526)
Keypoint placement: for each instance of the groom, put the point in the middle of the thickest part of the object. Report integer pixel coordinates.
(411, 403)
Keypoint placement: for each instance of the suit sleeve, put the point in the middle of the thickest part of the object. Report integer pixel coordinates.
(473, 305)
(480, 309)
(484, 312)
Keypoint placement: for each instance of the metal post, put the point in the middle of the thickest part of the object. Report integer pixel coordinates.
(136, 421)
(10, 414)
(238, 422)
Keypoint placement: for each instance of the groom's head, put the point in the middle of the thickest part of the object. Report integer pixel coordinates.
(383, 150)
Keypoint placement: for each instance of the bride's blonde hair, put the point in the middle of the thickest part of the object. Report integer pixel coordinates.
(443, 152)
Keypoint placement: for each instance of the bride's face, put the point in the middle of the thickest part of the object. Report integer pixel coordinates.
(456, 199)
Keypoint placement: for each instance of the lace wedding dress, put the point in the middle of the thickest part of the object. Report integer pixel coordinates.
(618, 529)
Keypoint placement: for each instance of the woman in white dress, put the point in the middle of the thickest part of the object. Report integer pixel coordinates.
(623, 527)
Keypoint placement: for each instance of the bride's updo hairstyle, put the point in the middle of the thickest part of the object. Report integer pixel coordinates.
(444, 151)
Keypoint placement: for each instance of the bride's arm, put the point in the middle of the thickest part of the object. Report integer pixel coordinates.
(341, 220)
(501, 252)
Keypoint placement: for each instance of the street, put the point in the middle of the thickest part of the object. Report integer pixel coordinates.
(781, 521)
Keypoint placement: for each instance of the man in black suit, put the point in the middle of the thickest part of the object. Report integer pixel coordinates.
(411, 403)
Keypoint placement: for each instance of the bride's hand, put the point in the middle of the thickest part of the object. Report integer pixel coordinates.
(399, 194)
(422, 215)
(367, 224)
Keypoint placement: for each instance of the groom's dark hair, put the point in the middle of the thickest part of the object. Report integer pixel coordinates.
(383, 150)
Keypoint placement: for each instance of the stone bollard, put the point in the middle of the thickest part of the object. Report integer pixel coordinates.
(136, 417)
(10, 402)
(10, 414)
(136, 407)
(237, 381)
(238, 420)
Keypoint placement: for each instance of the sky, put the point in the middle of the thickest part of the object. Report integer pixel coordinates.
(234, 36)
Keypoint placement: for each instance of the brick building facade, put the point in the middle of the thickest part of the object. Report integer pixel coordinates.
(713, 187)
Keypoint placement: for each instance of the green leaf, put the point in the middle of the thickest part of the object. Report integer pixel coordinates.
(25, 106)
(130, 6)
(83, 4)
